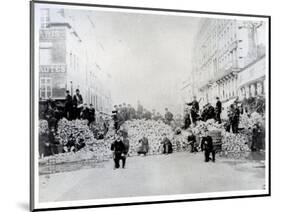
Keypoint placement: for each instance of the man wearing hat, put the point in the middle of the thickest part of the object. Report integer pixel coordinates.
(194, 109)
(207, 147)
(119, 150)
(77, 102)
(218, 110)
(68, 105)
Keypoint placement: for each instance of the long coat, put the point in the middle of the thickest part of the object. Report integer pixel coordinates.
(207, 143)
(77, 100)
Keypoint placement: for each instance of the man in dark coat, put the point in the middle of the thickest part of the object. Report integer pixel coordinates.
(68, 106)
(85, 113)
(126, 143)
(168, 116)
(207, 147)
(187, 121)
(218, 110)
(119, 150)
(53, 141)
(234, 116)
(167, 146)
(114, 117)
(144, 146)
(192, 141)
(44, 145)
(139, 110)
(194, 109)
(204, 113)
(125, 112)
(256, 138)
(132, 112)
(211, 112)
(147, 114)
(92, 115)
(77, 101)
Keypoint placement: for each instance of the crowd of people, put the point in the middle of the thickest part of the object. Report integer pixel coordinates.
(75, 108)
(124, 112)
(72, 108)
(193, 114)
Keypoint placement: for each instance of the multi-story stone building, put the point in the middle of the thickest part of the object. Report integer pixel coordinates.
(228, 60)
(65, 64)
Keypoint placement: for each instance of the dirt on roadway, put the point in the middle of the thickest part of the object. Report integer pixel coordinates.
(177, 173)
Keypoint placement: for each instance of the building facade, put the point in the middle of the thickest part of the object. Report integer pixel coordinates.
(228, 60)
(65, 64)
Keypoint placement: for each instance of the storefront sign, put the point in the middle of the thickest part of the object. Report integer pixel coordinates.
(52, 34)
(53, 68)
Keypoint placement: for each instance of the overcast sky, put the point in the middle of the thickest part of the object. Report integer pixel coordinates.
(147, 55)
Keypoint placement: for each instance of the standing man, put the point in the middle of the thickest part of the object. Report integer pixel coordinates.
(132, 112)
(256, 138)
(126, 143)
(68, 105)
(218, 110)
(234, 117)
(115, 118)
(77, 101)
(119, 150)
(207, 147)
(92, 115)
(168, 116)
(146, 114)
(192, 141)
(237, 117)
(186, 119)
(125, 112)
(194, 109)
(85, 113)
(139, 110)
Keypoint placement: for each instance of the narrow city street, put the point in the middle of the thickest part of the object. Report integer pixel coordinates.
(177, 173)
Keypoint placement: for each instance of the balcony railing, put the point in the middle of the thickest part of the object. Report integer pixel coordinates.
(53, 68)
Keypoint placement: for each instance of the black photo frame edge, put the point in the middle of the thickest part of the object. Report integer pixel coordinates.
(31, 106)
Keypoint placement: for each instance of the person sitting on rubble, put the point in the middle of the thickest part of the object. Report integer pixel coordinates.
(143, 146)
(167, 145)
(192, 141)
(53, 141)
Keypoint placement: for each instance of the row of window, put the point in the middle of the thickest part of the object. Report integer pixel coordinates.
(44, 17)
(45, 92)
(226, 59)
(225, 38)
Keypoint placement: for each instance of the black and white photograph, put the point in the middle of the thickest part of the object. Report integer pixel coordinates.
(140, 105)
